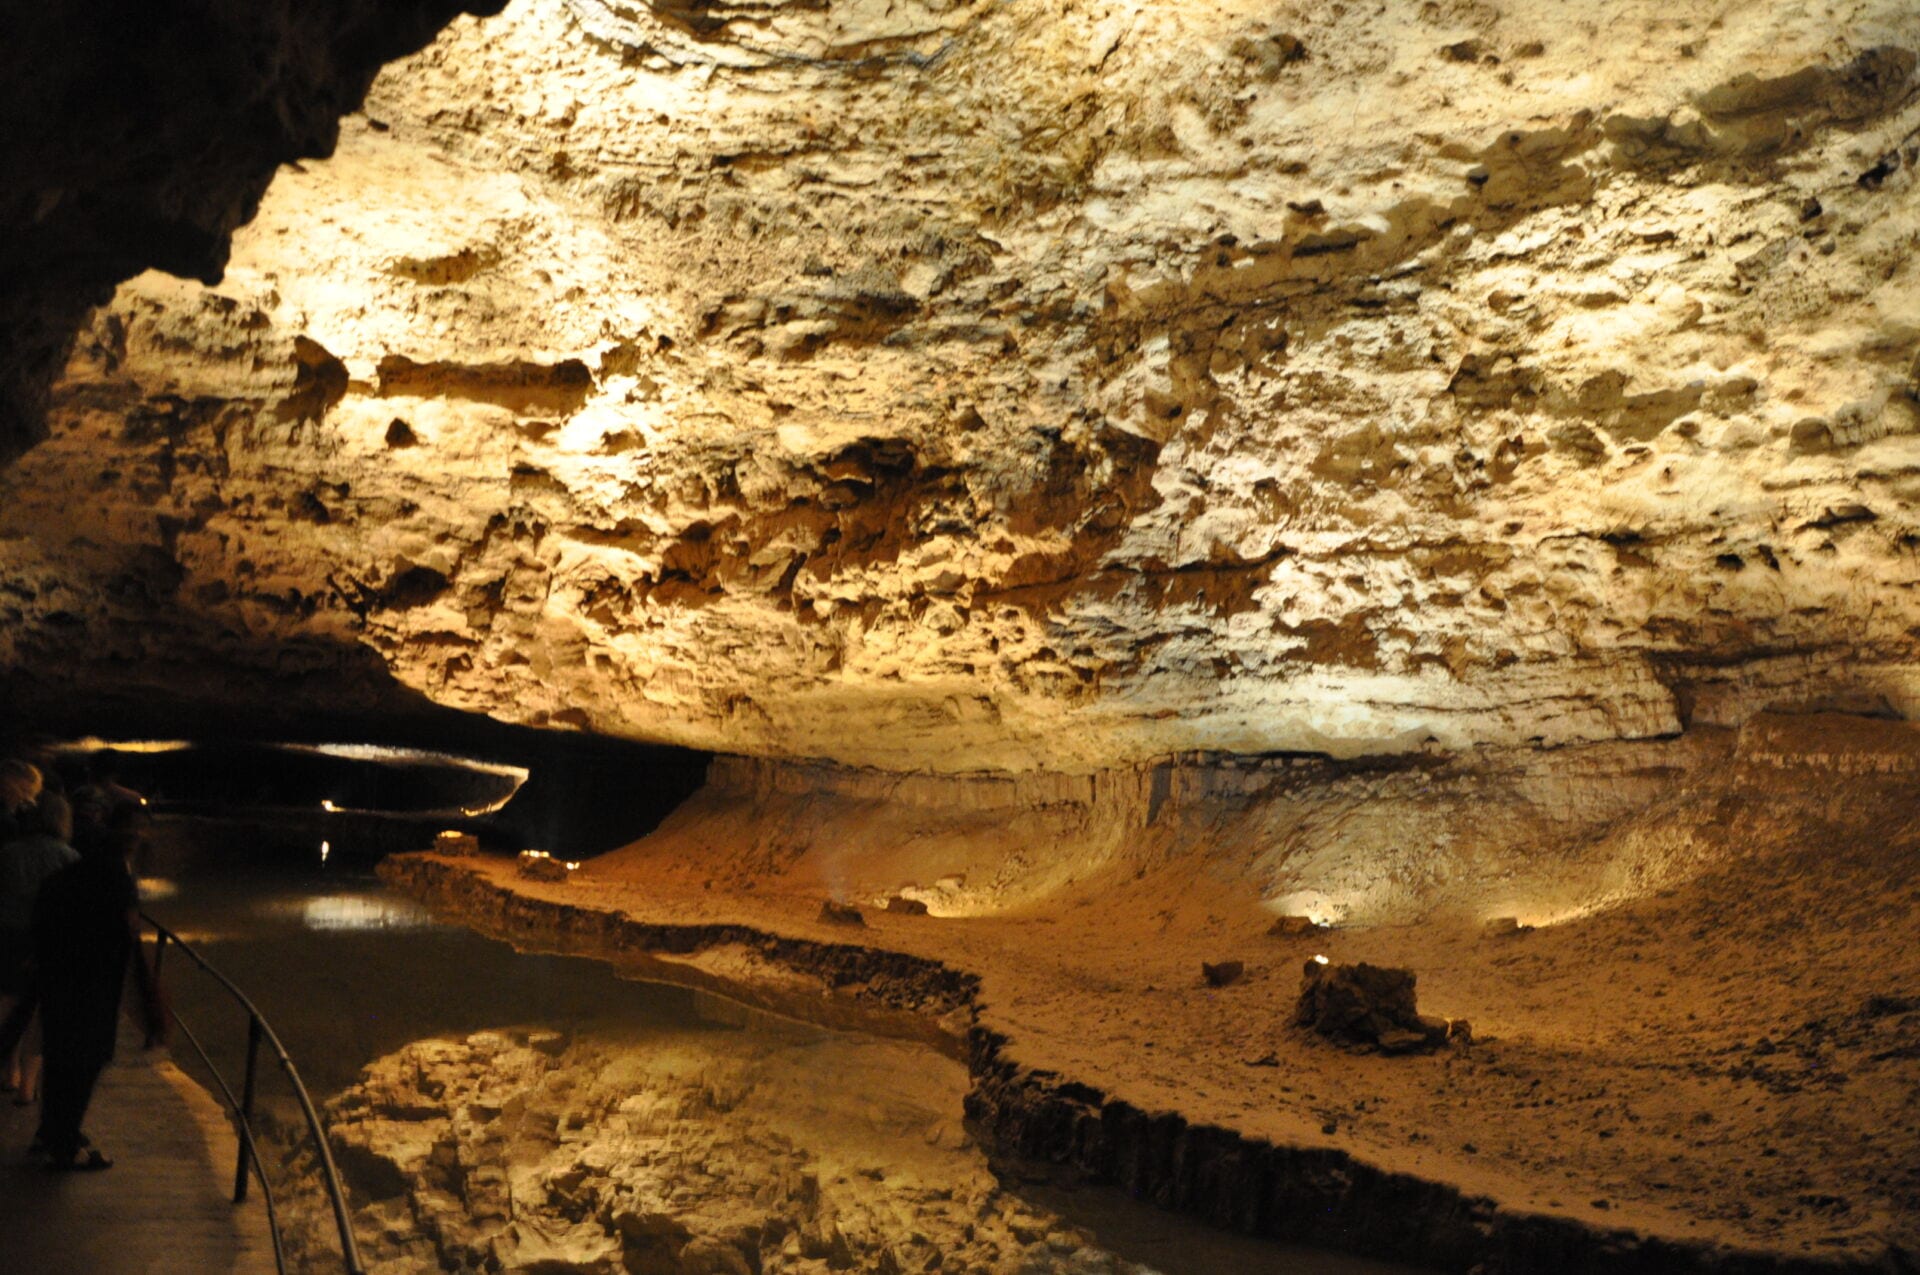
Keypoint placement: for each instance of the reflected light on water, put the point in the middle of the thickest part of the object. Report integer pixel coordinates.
(334, 912)
(152, 888)
(94, 744)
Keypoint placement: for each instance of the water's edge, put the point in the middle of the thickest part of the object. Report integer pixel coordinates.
(1318, 1196)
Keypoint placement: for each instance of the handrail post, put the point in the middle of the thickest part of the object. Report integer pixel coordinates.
(246, 1109)
(258, 1031)
(159, 952)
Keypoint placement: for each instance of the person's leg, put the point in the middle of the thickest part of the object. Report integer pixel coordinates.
(10, 1040)
(60, 1106)
(29, 1054)
(63, 1105)
(19, 994)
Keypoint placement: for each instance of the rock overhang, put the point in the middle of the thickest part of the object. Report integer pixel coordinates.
(1037, 390)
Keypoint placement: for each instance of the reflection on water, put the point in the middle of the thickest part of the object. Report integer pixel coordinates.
(369, 993)
(332, 778)
(350, 974)
(369, 911)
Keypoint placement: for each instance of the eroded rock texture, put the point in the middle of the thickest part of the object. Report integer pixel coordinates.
(948, 386)
(135, 135)
(701, 1154)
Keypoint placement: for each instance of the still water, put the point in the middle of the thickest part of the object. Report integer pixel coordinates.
(286, 903)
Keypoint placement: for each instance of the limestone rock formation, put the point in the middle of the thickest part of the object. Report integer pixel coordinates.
(1033, 386)
(135, 136)
(1710, 1024)
(681, 1156)
(1366, 1004)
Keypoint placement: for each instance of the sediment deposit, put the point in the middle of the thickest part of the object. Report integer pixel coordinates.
(1112, 474)
(1694, 1040)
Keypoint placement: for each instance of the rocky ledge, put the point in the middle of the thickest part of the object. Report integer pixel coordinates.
(1681, 1071)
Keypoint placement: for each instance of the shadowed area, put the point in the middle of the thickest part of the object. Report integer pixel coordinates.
(165, 1208)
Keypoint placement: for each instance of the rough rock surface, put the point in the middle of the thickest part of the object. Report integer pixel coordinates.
(1366, 1004)
(136, 136)
(1035, 385)
(1701, 1057)
(710, 1154)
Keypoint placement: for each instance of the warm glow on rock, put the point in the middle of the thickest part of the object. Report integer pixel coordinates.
(1162, 379)
(1177, 486)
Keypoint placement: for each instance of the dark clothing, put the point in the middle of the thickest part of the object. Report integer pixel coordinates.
(65, 1093)
(16, 963)
(25, 862)
(81, 946)
(14, 1028)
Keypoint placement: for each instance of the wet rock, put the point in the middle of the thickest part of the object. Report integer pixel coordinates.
(1294, 927)
(1367, 1005)
(900, 905)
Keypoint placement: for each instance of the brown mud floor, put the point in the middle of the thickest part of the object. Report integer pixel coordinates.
(1719, 1074)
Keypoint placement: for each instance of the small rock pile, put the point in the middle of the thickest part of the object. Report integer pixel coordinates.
(1363, 1004)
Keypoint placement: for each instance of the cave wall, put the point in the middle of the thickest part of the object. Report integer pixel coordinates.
(137, 135)
(1033, 386)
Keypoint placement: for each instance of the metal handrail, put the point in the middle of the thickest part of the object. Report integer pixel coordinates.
(257, 1032)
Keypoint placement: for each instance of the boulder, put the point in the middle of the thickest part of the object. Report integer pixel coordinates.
(454, 842)
(538, 865)
(1364, 1004)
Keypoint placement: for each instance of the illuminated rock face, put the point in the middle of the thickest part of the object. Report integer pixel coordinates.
(960, 387)
(133, 138)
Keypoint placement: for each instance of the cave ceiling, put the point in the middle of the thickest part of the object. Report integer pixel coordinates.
(966, 386)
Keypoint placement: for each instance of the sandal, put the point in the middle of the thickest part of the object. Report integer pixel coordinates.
(83, 1160)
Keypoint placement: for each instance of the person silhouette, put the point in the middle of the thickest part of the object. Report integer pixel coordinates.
(85, 935)
(40, 850)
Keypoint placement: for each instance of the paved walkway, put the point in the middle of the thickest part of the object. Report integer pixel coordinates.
(165, 1208)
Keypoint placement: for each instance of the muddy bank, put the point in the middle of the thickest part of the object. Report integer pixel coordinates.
(845, 985)
(1318, 1195)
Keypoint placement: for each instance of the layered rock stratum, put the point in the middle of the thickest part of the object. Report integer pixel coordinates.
(960, 387)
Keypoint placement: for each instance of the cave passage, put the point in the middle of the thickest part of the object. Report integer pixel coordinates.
(1113, 516)
(446, 1060)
